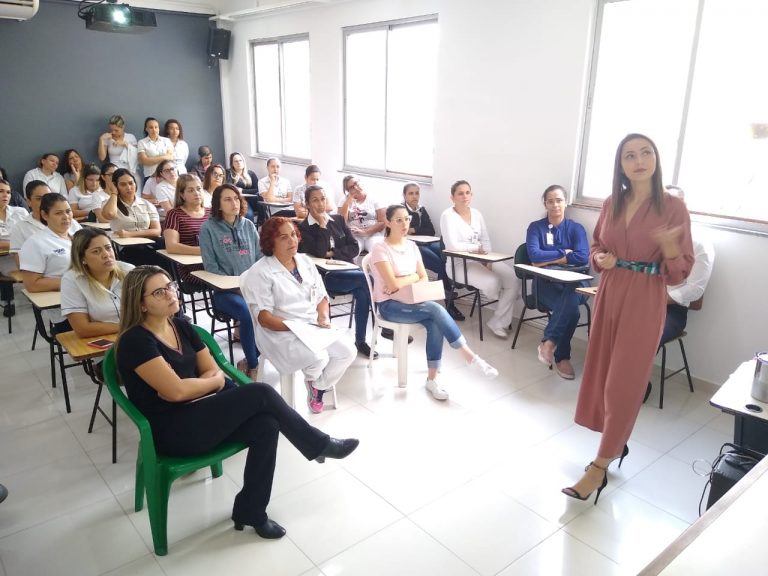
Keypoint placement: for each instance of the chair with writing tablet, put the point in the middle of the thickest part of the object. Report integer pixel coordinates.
(530, 297)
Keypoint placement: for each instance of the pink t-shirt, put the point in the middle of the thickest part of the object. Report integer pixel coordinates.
(403, 263)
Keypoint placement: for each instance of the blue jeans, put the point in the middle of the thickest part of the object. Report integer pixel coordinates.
(352, 282)
(434, 318)
(563, 302)
(233, 304)
(432, 256)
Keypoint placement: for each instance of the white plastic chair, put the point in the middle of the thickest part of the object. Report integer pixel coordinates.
(401, 332)
(287, 383)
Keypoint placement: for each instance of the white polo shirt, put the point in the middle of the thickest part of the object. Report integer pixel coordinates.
(101, 305)
(282, 187)
(45, 253)
(55, 181)
(12, 215)
(27, 226)
(85, 200)
(140, 214)
(152, 149)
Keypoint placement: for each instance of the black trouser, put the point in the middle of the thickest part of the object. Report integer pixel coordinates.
(254, 414)
(675, 322)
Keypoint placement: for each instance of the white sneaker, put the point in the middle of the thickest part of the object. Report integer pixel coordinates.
(498, 330)
(438, 392)
(482, 366)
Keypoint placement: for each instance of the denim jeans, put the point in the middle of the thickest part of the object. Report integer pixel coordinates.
(432, 256)
(563, 301)
(352, 282)
(233, 304)
(434, 318)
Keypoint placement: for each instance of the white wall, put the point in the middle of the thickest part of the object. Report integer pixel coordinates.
(511, 83)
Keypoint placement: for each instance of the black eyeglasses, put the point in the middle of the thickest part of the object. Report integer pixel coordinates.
(160, 293)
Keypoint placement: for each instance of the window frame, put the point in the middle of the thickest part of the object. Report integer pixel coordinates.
(346, 31)
(280, 41)
(721, 221)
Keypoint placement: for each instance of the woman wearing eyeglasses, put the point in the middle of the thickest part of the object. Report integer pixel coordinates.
(171, 377)
(396, 263)
(229, 245)
(165, 190)
(92, 287)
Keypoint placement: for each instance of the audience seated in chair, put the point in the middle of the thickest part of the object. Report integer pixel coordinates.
(396, 264)
(229, 245)
(171, 377)
(30, 223)
(463, 229)
(327, 236)
(431, 253)
(46, 172)
(285, 285)
(92, 286)
(312, 178)
(183, 224)
(363, 213)
(558, 241)
(119, 147)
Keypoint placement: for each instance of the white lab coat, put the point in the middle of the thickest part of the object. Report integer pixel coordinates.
(268, 285)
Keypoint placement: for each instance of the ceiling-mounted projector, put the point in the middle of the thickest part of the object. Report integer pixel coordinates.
(107, 16)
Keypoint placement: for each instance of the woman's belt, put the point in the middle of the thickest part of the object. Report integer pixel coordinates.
(651, 268)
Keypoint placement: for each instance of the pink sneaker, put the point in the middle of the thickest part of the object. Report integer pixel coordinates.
(314, 397)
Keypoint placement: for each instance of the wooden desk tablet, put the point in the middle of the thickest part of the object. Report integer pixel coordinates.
(182, 259)
(218, 281)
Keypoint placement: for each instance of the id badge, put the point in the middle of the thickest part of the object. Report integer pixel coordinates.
(550, 239)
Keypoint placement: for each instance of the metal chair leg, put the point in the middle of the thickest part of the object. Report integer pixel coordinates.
(685, 363)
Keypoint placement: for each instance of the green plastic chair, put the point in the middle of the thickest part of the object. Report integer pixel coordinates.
(154, 472)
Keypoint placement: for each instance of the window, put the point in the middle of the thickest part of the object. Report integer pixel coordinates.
(390, 73)
(281, 94)
(689, 74)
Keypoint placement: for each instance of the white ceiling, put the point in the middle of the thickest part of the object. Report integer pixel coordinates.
(226, 9)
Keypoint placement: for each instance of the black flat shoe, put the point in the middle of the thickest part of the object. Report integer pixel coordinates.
(647, 392)
(9, 310)
(364, 350)
(338, 449)
(3, 492)
(390, 335)
(270, 530)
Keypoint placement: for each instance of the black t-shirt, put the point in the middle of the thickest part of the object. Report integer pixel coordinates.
(138, 345)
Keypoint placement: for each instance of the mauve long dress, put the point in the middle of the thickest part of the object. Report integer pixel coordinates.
(629, 313)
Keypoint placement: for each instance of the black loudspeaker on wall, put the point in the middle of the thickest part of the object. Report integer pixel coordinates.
(218, 43)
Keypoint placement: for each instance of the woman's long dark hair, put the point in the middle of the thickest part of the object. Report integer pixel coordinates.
(119, 173)
(622, 187)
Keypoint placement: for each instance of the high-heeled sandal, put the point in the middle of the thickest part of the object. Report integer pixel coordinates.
(623, 454)
(573, 493)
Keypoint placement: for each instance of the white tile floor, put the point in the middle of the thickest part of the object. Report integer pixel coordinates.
(466, 487)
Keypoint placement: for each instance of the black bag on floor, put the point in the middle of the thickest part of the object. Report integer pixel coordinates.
(729, 467)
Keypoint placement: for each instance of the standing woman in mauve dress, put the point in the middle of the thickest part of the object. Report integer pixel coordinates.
(641, 243)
